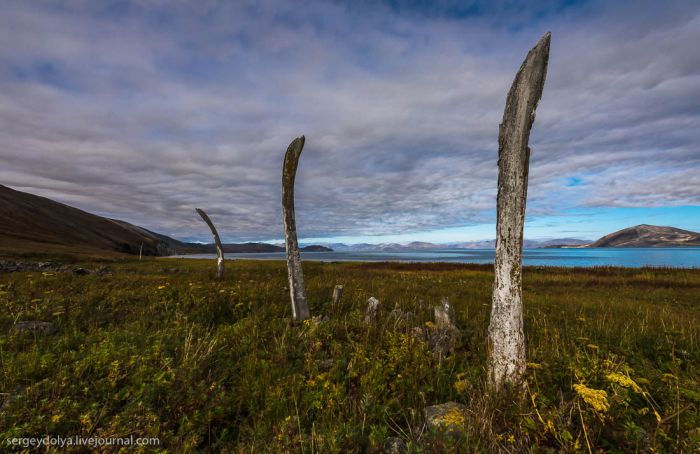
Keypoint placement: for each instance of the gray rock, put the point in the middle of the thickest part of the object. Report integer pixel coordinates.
(168, 270)
(10, 266)
(325, 364)
(442, 341)
(371, 311)
(394, 445)
(445, 315)
(46, 328)
(102, 270)
(401, 318)
(449, 417)
(337, 294)
(10, 398)
(318, 320)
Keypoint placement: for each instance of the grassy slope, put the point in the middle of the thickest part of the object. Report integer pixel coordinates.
(29, 222)
(160, 348)
(22, 249)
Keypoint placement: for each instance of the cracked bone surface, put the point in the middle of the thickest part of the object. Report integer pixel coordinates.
(506, 362)
(297, 292)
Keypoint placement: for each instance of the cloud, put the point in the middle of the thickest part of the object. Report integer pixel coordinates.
(144, 110)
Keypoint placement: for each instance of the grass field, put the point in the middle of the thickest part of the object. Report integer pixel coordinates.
(161, 349)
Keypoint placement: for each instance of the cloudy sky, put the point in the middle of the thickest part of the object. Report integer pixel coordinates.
(143, 110)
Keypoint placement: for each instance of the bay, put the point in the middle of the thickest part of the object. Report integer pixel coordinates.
(622, 257)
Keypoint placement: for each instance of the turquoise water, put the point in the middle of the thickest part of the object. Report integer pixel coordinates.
(638, 257)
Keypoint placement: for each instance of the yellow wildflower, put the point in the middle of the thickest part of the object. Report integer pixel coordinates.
(669, 377)
(453, 417)
(461, 386)
(596, 398)
(85, 419)
(550, 426)
(624, 381)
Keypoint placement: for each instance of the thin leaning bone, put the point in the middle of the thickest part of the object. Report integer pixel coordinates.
(217, 242)
(297, 292)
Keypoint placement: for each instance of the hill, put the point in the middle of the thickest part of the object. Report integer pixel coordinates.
(34, 225)
(649, 236)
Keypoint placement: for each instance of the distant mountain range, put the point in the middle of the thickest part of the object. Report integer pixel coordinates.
(639, 236)
(31, 224)
(420, 245)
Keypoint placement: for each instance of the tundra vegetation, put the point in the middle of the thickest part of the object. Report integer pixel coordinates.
(161, 348)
